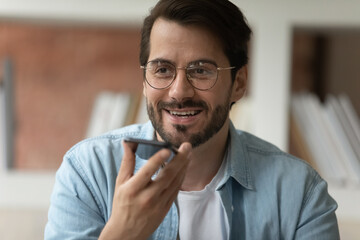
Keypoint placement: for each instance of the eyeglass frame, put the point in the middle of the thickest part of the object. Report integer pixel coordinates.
(187, 76)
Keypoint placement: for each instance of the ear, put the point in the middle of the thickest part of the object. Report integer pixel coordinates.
(240, 84)
(144, 88)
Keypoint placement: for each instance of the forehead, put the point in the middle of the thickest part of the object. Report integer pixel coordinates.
(176, 42)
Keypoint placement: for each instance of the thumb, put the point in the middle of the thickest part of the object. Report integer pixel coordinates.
(127, 166)
(185, 149)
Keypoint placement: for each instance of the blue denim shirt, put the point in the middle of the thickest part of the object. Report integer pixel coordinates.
(266, 193)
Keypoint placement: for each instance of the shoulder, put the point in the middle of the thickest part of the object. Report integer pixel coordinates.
(282, 174)
(100, 157)
(110, 139)
(285, 190)
(263, 152)
(269, 166)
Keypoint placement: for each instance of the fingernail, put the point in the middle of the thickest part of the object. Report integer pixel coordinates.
(165, 153)
(186, 147)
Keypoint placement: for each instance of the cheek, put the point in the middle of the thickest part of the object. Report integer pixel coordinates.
(218, 96)
(153, 96)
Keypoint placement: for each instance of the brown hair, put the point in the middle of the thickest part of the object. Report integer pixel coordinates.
(221, 17)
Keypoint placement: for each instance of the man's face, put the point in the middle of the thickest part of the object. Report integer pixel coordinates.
(180, 112)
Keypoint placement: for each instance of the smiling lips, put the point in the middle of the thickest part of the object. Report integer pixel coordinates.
(184, 114)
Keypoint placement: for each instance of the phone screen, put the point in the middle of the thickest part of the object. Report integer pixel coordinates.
(147, 148)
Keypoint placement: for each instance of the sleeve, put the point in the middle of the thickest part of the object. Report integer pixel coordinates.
(317, 219)
(75, 212)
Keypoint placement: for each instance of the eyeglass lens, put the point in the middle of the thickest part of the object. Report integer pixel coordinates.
(201, 75)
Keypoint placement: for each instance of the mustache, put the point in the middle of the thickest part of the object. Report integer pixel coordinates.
(183, 104)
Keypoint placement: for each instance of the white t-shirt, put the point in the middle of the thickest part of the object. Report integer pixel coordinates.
(202, 215)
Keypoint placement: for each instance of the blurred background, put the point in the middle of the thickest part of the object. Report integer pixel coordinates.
(69, 70)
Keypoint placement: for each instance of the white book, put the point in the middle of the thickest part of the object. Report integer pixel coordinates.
(119, 110)
(346, 125)
(306, 111)
(100, 114)
(142, 115)
(109, 112)
(300, 113)
(353, 119)
(341, 142)
(135, 101)
(329, 148)
(311, 137)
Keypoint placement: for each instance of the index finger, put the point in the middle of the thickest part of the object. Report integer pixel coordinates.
(176, 166)
(127, 166)
(143, 176)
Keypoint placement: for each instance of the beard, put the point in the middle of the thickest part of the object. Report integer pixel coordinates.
(215, 123)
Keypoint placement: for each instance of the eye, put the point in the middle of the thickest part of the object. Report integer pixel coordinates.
(162, 70)
(201, 70)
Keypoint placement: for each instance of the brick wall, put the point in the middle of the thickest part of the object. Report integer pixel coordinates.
(59, 69)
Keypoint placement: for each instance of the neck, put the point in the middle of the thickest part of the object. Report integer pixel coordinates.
(205, 161)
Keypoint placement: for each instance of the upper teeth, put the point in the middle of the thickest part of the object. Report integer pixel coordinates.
(183, 113)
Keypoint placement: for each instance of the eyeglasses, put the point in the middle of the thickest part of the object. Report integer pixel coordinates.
(202, 75)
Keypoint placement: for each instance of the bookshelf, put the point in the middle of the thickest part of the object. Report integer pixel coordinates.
(324, 66)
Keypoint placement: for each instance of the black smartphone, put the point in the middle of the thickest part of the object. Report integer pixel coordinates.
(146, 148)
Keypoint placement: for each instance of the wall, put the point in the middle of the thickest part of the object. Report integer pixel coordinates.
(58, 72)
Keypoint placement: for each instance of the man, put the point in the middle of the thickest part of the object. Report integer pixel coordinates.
(222, 183)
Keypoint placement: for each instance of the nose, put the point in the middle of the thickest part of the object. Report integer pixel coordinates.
(181, 88)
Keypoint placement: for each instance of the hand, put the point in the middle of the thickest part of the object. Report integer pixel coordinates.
(140, 203)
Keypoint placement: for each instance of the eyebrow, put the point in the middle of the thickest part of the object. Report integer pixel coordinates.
(190, 63)
(202, 60)
(162, 60)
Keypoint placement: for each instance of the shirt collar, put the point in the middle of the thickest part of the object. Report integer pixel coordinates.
(237, 162)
